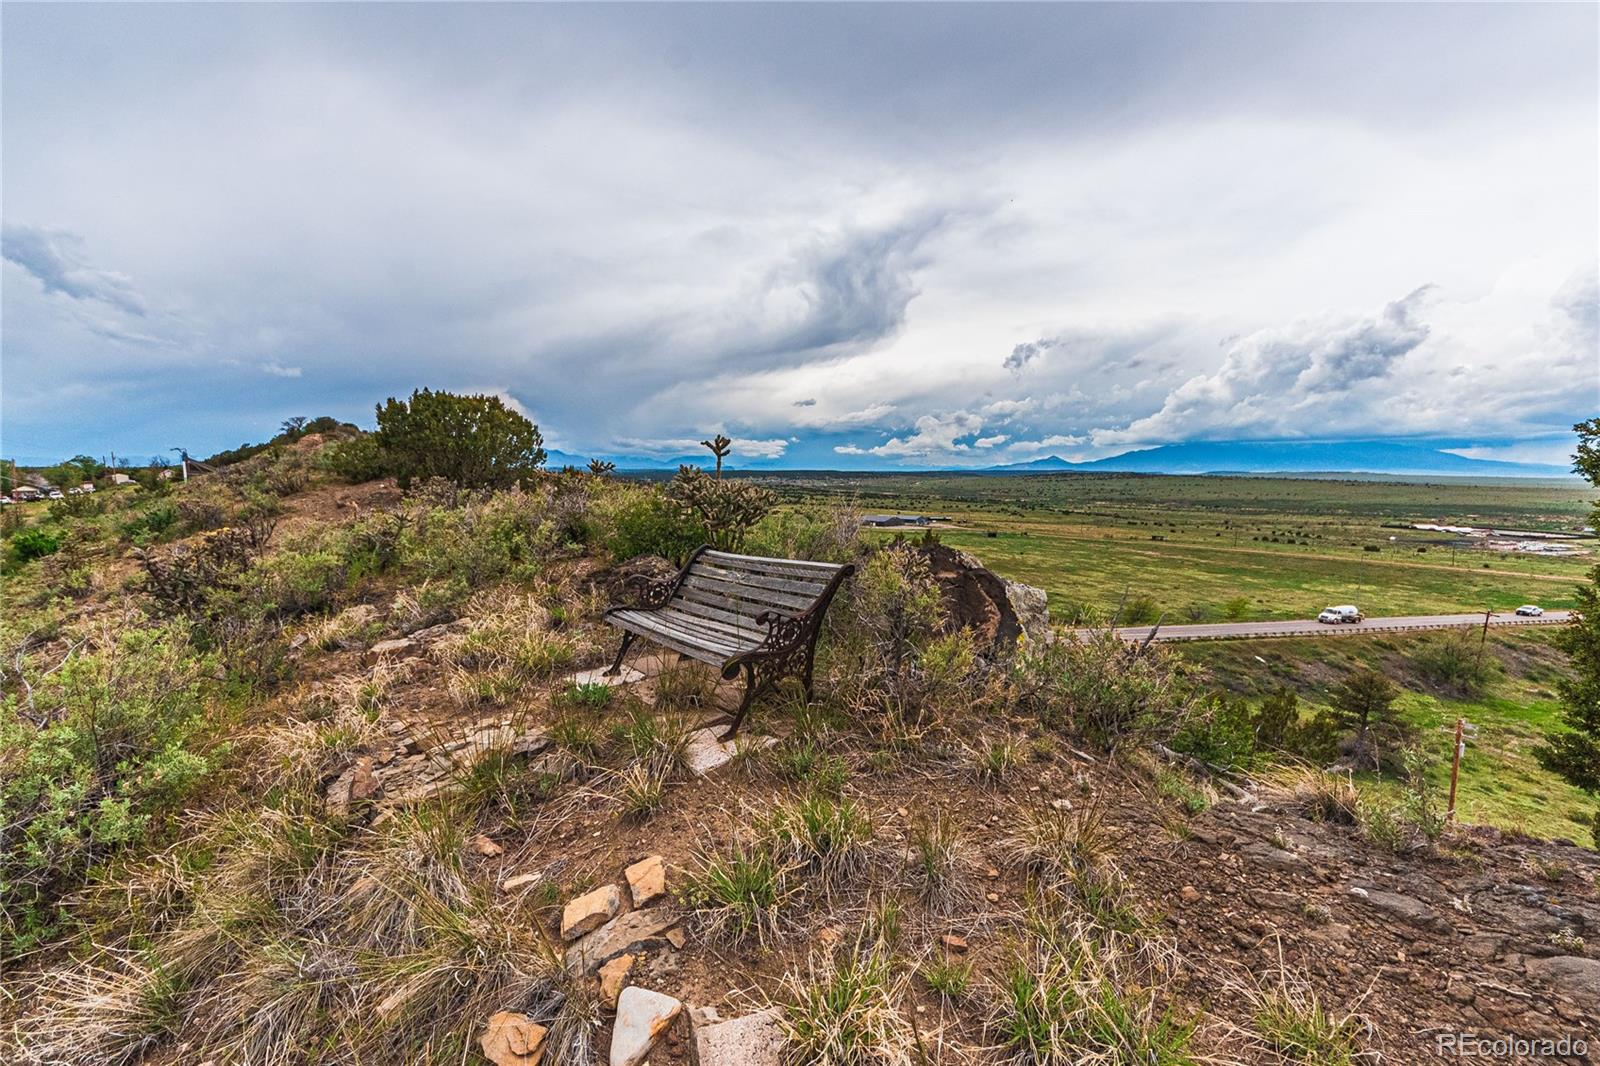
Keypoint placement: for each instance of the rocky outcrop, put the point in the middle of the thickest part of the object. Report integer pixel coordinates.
(618, 584)
(996, 610)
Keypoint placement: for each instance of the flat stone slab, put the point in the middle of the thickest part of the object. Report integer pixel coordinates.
(590, 911)
(626, 676)
(647, 880)
(1405, 908)
(1572, 975)
(704, 753)
(753, 1040)
(642, 1016)
(631, 933)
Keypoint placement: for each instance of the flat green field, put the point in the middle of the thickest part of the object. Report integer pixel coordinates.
(1245, 548)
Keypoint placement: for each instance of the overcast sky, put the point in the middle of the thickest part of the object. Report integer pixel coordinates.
(861, 235)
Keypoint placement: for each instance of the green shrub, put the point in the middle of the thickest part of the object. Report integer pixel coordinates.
(474, 441)
(824, 534)
(1277, 720)
(35, 542)
(645, 522)
(354, 460)
(1139, 611)
(123, 742)
(1221, 733)
(1093, 688)
(152, 523)
(1456, 661)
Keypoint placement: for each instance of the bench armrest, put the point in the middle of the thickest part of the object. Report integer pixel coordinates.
(784, 631)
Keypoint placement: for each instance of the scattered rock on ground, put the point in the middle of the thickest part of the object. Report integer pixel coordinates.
(512, 1039)
(753, 1040)
(613, 977)
(511, 884)
(397, 648)
(705, 753)
(632, 932)
(642, 1016)
(626, 675)
(647, 880)
(1571, 975)
(590, 911)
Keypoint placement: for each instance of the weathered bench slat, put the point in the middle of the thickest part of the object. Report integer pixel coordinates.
(803, 586)
(743, 631)
(709, 613)
(753, 594)
(678, 644)
(763, 562)
(720, 644)
(705, 610)
(688, 629)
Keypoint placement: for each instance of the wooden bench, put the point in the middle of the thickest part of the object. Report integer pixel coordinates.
(740, 613)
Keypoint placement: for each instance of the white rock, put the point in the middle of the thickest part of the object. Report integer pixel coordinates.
(385, 649)
(753, 1040)
(511, 884)
(626, 676)
(704, 753)
(642, 1016)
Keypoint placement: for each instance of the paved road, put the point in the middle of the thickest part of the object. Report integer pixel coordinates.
(1312, 628)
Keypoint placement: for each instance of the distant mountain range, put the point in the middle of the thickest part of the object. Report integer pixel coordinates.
(1373, 457)
(1291, 457)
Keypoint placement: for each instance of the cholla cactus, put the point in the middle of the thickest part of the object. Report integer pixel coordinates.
(720, 446)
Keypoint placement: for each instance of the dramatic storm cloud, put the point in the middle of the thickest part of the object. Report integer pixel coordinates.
(843, 235)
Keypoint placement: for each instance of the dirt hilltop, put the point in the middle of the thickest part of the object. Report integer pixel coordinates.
(436, 835)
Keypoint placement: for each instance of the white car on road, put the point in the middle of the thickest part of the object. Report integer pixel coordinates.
(1530, 610)
(1343, 613)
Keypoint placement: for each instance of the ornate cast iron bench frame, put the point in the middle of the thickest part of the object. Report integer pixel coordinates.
(740, 613)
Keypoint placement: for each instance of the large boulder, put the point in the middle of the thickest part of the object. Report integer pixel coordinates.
(996, 610)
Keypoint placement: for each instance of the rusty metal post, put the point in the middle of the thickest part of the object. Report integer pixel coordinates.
(1455, 767)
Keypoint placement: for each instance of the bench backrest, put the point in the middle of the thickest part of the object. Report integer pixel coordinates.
(736, 589)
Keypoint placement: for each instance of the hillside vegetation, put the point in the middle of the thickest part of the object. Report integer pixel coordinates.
(296, 767)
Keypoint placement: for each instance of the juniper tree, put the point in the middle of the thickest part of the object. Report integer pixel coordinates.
(475, 441)
(1363, 702)
(1573, 751)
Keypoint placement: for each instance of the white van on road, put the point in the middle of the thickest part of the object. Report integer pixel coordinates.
(1343, 613)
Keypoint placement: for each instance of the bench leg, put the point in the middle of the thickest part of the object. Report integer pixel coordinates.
(744, 705)
(616, 667)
